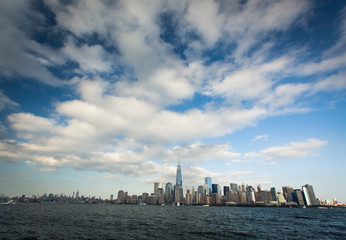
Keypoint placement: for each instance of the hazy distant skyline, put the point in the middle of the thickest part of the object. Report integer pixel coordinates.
(107, 95)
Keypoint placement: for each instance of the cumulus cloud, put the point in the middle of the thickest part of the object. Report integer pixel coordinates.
(292, 150)
(201, 152)
(90, 58)
(130, 80)
(273, 155)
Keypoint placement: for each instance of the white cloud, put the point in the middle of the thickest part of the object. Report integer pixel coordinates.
(19, 54)
(260, 137)
(124, 123)
(251, 82)
(253, 20)
(326, 64)
(90, 58)
(200, 152)
(285, 95)
(205, 18)
(6, 102)
(273, 155)
(331, 83)
(292, 150)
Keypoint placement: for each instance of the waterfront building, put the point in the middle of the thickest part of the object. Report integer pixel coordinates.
(311, 193)
(193, 194)
(259, 188)
(234, 196)
(201, 189)
(297, 197)
(144, 197)
(188, 198)
(306, 196)
(250, 194)
(168, 192)
(121, 196)
(157, 185)
(269, 196)
(280, 197)
(151, 200)
(225, 189)
(127, 197)
(214, 188)
(262, 196)
(179, 176)
(195, 198)
(287, 192)
(234, 187)
(133, 199)
(228, 196)
(160, 196)
(111, 197)
(178, 194)
(242, 197)
(208, 186)
(273, 194)
(178, 188)
(206, 189)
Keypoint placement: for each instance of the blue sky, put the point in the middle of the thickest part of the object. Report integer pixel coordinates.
(107, 95)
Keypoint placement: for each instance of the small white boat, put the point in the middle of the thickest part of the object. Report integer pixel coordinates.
(205, 205)
(9, 202)
(178, 204)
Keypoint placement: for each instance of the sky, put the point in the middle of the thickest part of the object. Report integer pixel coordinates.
(102, 96)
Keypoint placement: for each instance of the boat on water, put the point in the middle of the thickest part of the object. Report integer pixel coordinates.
(178, 204)
(9, 202)
(205, 205)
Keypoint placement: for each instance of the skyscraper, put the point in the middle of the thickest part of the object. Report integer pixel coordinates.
(157, 185)
(234, 187)
(214, 188)
(273, 193)
(200, 189)
(250, 194)
(169, 192)
(297, 197)
(178, 188)
(121, 196)
(287, 191)
(179, 177)
(225, 190)
(306, 196)
(208, 183)
(311, 193)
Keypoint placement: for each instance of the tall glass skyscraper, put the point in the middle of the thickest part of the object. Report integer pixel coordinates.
(207, 181)
(311, 194)
(179, 177)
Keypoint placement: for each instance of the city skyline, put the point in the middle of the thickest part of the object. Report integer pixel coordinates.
(204, 194)
(101, 95)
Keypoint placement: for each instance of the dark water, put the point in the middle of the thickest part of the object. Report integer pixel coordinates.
(84, 221)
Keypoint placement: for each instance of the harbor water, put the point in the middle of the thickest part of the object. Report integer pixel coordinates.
(88, 221)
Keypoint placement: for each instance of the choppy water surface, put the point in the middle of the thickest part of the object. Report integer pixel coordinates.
(84, 221)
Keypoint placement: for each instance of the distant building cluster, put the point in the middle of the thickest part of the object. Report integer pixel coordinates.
(206, 194)
(52, 198)
(212, 194)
